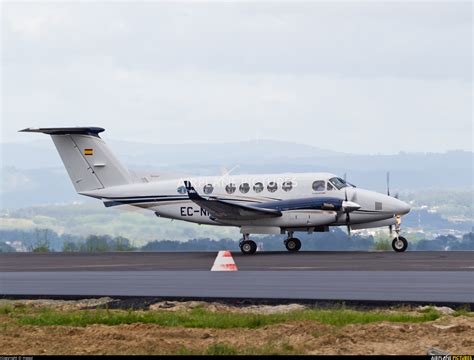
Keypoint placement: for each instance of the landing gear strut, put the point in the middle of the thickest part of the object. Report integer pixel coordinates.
(292, 244)
(247, 246)
(399, 244)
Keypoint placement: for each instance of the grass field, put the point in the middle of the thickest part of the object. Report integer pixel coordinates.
(201, 318)
(207, 329)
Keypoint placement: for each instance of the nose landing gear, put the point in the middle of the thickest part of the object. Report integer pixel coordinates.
(399, 243)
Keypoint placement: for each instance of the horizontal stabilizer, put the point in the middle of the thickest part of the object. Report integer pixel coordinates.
(92, 131)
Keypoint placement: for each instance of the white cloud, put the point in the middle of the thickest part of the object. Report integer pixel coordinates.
(34, 20)
(351, 77)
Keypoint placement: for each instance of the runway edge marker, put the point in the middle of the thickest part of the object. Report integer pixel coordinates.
(224, 262)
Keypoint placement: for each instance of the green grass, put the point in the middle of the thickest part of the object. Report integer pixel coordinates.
(214, 349)
(271, 348)
(17, 308)
(382, 245)
(463, 311)
(6, 309)
(201, 318)
(221, 349)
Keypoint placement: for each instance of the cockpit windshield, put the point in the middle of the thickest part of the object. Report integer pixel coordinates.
(338, 183)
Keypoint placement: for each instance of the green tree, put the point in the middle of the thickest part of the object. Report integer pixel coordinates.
(70, 246)
(95, 243)
(41, 242)
(120, 243)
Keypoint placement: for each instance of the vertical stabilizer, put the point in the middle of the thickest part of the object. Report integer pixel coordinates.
(87, 158)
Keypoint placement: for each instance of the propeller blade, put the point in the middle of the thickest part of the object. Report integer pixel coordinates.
(388, 183)
(396, 195)
(390, 228)
(348, 207)
(348, 223)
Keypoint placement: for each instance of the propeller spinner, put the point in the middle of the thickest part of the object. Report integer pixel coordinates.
(348, 207)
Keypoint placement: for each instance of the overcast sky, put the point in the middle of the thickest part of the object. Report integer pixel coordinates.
(353, 77)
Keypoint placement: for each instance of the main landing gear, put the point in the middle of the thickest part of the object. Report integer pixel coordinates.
(247, 246)
(292, 244)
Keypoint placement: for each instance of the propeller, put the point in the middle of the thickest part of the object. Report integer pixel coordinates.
(390, 227)
(348, 217)
(348, 206)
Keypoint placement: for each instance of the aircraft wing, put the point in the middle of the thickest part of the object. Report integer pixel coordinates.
(226, 210)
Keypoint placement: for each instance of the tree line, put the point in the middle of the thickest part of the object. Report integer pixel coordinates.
(46, 240)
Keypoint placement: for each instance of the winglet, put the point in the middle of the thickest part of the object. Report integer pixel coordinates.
(192, 193)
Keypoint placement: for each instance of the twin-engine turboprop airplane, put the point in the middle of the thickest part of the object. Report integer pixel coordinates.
(257, 204)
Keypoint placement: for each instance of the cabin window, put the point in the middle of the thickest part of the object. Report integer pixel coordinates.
(208, 189)
(181, 190)
(330, 187)
(319, 185)
(287, 186)
(244, 188)
(258, 187)
(272, 186)
(230, 188)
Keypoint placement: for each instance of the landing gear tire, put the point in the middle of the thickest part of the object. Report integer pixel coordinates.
(248, 247)
(293, 244)
(399, 244)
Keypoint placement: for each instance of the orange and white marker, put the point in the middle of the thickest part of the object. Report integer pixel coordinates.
(224, 262)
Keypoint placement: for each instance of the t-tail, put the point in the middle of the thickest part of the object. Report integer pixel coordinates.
(87, 158)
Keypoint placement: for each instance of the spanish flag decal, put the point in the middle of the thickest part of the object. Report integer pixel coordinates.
(88, 151)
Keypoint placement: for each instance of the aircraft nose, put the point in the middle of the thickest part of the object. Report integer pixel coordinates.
(402, 207)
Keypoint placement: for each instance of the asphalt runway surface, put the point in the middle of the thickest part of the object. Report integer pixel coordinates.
(430, 277)
(264, 261)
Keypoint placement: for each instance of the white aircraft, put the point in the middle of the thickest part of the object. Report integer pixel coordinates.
(257, 204)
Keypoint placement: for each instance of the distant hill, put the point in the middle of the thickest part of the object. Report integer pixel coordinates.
(32, 173)
(42, 153)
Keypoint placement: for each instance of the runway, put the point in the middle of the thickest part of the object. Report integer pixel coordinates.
(432, 277)
(264, 261)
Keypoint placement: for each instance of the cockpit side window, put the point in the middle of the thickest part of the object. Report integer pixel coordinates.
(319, 185)
(329, 186)
(338, 183)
